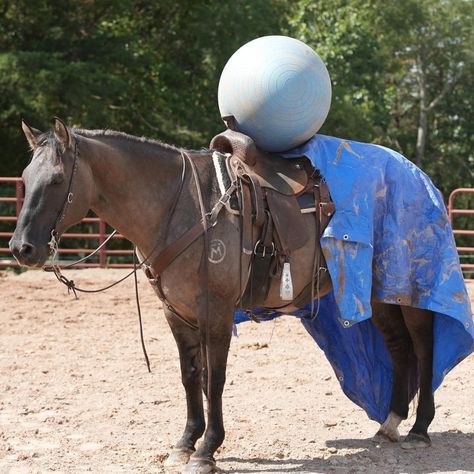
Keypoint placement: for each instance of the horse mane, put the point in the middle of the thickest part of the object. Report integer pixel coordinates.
(106, 133)
(48, 139)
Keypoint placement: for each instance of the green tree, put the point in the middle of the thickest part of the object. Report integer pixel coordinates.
(431, 63)
(401, 72)
(62, 58)
(342, 35)
(402, 76)
(142, 67)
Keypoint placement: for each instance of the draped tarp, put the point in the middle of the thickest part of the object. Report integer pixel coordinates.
(390, 239)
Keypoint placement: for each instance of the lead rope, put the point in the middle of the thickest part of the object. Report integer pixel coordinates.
(71, 286)
(142, 339)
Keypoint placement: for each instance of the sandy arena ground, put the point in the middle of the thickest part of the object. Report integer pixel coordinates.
(75, 395)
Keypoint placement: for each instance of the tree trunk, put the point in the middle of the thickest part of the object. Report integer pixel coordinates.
(422, 116)
(426, 107)
(421, 136)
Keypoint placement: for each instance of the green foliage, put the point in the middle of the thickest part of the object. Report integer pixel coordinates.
(434, 53)
(152, 68)
(147, 68)
(377, 53)
(345, 41)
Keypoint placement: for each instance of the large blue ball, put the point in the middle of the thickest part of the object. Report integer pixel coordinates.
(279, 91)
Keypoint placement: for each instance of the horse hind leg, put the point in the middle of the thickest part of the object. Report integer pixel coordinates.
(389, 428)
(389, 320)
(420, 326)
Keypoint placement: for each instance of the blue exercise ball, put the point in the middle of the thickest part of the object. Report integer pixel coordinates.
(278, 90)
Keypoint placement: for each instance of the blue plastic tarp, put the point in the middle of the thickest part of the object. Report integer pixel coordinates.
(390, 238)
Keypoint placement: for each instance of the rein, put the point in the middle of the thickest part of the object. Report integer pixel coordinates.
(54, 242)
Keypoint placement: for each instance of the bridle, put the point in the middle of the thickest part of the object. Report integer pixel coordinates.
(67, 199)
(54, 241)
(70, 284)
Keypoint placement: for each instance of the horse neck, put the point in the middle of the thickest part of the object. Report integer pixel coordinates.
(134, 184)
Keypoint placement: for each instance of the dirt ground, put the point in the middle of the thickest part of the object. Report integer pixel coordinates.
(75, 395)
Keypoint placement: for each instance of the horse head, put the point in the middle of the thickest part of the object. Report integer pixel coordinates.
(57, 192)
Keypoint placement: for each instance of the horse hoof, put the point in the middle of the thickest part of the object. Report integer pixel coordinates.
(391, 435)
(177, 460)
(201, 466)
(389, 428)
(416, 441)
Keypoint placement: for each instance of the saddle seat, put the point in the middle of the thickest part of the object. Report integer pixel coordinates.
(288, 177)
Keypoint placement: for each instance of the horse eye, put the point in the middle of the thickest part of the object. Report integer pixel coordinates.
(57, 179)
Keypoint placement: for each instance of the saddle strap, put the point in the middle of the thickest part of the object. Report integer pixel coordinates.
(263, 258)
(257, 197)
(326, 206)
(169, 254)
(320, 283)
(246, 220)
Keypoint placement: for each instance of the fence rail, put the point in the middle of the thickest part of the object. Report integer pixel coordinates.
(91, 232)
(11, 201)
(465, 252)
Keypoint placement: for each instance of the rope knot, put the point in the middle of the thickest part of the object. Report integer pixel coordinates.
(71, 286)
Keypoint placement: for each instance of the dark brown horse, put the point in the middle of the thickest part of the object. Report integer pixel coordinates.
(132, 183)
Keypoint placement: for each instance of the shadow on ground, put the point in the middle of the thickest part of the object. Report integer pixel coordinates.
(373, 457)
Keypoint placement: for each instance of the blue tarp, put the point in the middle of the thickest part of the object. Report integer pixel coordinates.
(389, 238)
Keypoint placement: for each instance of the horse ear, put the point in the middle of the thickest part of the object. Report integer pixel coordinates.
(31, 134)
(61, 133)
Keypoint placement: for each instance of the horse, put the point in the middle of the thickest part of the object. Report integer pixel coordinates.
(153, 193)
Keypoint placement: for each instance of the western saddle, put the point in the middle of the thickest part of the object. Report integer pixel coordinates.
(274, 194)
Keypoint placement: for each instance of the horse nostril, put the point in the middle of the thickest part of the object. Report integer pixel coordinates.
(27, 250)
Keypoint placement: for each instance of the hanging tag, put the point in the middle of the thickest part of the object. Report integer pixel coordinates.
(286, 284)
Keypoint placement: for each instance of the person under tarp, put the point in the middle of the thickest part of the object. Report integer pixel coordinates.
(390, 238)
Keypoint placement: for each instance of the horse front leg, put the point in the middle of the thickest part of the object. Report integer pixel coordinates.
(189, 346)
(215, 350)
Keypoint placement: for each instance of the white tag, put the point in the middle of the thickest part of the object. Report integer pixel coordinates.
(286, 284)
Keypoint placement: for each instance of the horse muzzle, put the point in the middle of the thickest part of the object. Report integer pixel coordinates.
(28, 254)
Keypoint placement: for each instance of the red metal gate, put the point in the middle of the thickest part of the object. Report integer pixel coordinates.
(92, 232)
(466, 253)
(11, 200)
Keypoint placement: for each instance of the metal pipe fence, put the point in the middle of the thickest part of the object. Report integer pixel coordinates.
(88, 235)
(92, 231)
(466, 252)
